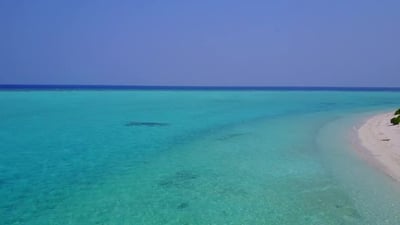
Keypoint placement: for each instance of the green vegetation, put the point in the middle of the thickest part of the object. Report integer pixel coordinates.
(395, 120)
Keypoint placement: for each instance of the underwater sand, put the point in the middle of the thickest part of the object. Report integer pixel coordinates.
(190, 157)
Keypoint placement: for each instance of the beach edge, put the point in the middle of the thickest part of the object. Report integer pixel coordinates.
(377, 141)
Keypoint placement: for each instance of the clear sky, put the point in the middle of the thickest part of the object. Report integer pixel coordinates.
(207, 42)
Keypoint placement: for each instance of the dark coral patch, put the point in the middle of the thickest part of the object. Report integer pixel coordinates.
(179, 179)
(183, 205)
(230, 136)
(145, 124)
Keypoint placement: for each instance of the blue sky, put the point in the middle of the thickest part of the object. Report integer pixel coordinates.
(226, 42)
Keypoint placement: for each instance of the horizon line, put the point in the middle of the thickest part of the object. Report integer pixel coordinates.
(182, 87)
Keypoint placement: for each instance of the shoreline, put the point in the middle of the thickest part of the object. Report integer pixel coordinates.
(378, 142)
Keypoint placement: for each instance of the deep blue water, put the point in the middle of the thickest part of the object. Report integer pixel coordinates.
(188, 88)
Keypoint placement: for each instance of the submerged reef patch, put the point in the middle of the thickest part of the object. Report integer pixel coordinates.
(230, 136)
(183, 205)
(179, 179)
(146, 124)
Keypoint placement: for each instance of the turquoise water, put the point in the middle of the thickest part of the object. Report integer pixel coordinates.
(190, 157)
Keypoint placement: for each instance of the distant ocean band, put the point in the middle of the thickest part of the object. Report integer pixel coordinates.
(188, 88)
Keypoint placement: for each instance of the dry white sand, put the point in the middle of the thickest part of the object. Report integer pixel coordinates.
(381, 142)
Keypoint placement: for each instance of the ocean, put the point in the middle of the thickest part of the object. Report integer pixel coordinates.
(190, 157)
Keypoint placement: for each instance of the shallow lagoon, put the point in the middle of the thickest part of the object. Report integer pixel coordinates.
(190, 157)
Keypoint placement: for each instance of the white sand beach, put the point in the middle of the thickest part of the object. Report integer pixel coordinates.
(381, 143)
